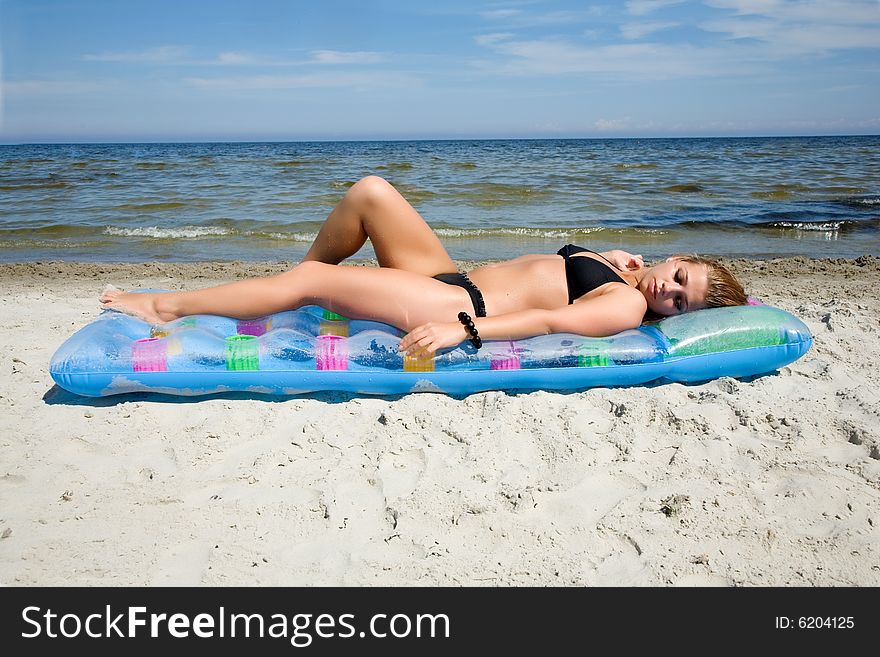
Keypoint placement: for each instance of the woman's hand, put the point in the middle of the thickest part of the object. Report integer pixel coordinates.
(625, 261)
(428, 338)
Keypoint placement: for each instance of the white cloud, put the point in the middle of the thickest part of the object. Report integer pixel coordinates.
(360, 81)
(519, 19)
(611, 125)
(235, 58)
(816, 11)
(789, 29)
(760, 34)
(174, 56)
(500, 13)
(162, 54)
(337, 57)
(642, 7)
(495, 37)
(179, 55)
(736, 28)
(637, 60)
(48, 87)
(638, 30)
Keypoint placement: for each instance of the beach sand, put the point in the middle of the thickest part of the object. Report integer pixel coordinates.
(770, 481)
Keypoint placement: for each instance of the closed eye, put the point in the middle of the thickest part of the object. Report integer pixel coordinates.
(681, 280)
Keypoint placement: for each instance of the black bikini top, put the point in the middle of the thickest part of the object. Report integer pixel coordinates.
(585, 274)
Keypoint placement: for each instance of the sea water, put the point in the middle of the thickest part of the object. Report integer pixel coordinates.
(487, 200)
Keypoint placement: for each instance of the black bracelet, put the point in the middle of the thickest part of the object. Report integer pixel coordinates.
(468, 323)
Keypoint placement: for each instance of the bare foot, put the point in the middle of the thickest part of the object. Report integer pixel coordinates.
(141, 304)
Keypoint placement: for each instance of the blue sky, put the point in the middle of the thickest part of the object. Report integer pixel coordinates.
(193, 70)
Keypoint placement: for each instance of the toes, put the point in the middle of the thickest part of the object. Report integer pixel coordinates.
(109, 293)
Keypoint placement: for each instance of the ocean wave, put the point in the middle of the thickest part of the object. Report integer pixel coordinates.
(861, 202)
(161, 206)
(685, 188)
(789, 221)
(52, 231)
(542, 233)
(342, 184)
(781, 192)
(19, 184)
(55, 245)
(395, 166)
(823, 226)
(299, 235)
(181, 232)
(635, 165)
(210, 232)
(287, 237)
(488, 194)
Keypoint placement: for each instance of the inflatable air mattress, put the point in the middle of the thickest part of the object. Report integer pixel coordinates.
(311, 349)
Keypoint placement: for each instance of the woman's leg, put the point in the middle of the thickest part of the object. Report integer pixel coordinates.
(400, 298)
(373, 209)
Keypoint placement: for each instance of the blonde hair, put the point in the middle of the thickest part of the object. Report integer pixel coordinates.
(723, 289)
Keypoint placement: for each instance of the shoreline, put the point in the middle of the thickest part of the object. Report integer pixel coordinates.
(46, 268)
(762, 482)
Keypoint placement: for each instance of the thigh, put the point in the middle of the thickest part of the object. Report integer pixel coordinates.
(398, 297)
(401, 238)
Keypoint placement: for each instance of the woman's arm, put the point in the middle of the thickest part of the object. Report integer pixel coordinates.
(607, 314)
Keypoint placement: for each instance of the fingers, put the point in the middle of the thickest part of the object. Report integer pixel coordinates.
(423, 347)
(431, 337)
(635, 262)
(418, 341)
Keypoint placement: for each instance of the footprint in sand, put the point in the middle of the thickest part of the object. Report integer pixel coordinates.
(183, 564)
(355, 503)
(401, 472)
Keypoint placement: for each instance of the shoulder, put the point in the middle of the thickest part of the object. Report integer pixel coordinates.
(617, 309)
(628, 297)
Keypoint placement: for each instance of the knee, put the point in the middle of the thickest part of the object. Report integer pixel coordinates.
(370, 189)
(307, 270)
(304, 280)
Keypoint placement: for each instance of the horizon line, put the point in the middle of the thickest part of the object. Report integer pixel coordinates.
(428, 139)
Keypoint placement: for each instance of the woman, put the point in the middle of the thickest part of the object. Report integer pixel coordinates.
(417, 289)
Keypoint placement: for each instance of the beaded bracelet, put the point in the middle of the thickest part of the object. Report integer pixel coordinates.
(468, 323)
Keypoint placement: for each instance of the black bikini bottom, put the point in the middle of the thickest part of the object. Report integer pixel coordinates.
(462, 280)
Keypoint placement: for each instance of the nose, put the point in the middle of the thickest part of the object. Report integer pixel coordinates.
(669, 288)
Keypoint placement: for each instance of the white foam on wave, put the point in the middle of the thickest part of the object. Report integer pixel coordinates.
(168, 233)
(516, 232)
(293, 237)
(825, 226)
(195, 232)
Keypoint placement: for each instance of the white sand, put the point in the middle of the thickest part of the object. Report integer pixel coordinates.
(772, 481)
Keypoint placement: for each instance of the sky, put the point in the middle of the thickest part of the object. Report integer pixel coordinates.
(278, 70)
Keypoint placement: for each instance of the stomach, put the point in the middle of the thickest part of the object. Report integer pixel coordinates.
(530, 281)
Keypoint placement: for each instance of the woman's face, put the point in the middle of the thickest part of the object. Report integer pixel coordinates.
(675, 286)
